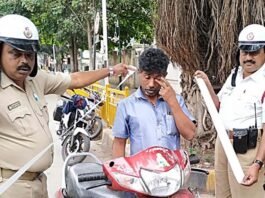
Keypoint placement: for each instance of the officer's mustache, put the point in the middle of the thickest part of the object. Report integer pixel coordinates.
(24, 67)
(249, 61)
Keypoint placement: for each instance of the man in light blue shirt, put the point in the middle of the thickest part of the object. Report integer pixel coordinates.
(153, 115)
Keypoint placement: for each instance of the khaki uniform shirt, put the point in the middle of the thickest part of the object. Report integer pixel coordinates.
(239, 104)
(24, 120)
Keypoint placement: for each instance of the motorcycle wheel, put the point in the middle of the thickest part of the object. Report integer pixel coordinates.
(96, 129)
(81, 144)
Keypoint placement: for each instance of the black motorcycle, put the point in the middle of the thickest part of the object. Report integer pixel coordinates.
(78, 125)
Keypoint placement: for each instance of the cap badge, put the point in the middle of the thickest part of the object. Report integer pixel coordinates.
(250, 36)
(27, 32)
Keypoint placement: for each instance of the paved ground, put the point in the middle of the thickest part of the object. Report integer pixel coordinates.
(101, 148)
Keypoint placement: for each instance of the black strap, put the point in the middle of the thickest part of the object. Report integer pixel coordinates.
(233, 80)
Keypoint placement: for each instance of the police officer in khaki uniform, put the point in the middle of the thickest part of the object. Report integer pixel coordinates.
(240, 106)
(24, 129)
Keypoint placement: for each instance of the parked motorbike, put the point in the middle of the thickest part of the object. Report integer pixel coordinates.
(78, 125)
(154, 172)
(94, 125)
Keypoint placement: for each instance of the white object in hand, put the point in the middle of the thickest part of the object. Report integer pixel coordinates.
(221, 132)
(131, 70)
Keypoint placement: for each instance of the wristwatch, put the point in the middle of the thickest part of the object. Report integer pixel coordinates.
(111, 71)
(259, 162)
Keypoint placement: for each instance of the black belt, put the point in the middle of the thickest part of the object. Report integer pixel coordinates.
(230, 133)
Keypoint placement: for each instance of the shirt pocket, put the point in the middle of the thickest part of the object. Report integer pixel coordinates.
(43, 110)
(249, 103)
(21, 119)
(170, 125)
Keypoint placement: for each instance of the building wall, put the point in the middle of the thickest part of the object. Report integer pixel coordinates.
(173, 77)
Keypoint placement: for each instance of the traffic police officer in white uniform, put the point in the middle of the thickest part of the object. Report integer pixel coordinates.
(240, 106)
(24, 129)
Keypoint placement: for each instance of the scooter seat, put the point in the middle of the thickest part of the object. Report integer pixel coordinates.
(77, 188)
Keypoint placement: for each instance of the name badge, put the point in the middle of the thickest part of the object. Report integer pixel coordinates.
(14, 105)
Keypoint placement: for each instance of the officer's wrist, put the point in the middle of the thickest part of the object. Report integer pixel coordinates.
(111, 71)
(259, 163)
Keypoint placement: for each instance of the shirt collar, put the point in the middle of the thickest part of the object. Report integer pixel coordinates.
(257, 76)
(5, 81)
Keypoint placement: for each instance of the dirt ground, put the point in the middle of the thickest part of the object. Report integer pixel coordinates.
(206, 159)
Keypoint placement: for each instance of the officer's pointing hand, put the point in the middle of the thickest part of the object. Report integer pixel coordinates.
(123, 69)
(120, 69)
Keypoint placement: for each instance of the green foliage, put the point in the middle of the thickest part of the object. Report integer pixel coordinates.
(13, 7)
(135, 19)
(59, 20)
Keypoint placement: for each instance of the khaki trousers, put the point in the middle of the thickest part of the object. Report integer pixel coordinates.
(27, 189)
(225, 183)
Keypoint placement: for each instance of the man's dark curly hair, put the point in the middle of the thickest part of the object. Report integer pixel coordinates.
(153, 61)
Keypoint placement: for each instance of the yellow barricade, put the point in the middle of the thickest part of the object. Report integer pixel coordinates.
(80, 92)
(112, 96)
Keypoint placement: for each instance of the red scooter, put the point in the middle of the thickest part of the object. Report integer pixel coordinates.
(154, 172)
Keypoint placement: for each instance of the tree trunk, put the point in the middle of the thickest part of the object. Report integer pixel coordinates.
(203, 35)
(90, 45)
(205, 132)
(74, 62)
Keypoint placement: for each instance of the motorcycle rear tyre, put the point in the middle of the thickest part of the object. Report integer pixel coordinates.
(65, 148)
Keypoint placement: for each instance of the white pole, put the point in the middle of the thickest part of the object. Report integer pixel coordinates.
(105, 36)
(221, 132)
(54, 59)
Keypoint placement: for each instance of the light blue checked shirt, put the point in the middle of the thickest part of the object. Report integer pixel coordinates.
(145, 124)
